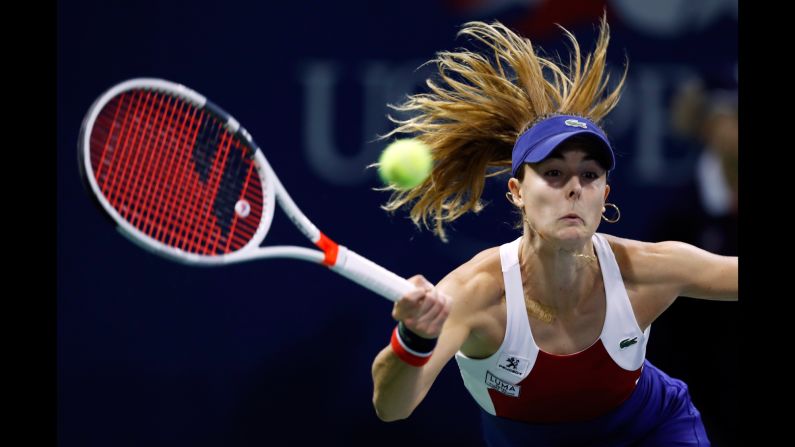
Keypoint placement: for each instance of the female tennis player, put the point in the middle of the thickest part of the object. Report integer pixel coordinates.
(549, 331)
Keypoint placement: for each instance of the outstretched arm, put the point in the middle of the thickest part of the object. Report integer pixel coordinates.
(398, 387)
(672, 268)
(698, 273)
(656, 274)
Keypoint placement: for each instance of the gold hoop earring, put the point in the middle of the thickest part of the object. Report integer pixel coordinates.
(618, 213)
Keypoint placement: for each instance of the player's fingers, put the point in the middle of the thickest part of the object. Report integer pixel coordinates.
(411, 303)
(430, 322)
(431, 306)
(421, 281)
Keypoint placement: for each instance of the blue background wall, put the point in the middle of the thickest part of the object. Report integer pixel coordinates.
(154, 353)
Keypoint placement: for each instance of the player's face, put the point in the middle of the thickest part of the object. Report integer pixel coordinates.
(563, 195)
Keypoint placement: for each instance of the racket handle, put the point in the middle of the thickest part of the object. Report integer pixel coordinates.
(371, 275)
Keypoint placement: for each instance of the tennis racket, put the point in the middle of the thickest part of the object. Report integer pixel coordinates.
(181, 178)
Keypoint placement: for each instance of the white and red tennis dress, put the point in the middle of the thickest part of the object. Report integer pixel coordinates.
(523, 383)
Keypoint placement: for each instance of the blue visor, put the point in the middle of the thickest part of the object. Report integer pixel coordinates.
(545, 136)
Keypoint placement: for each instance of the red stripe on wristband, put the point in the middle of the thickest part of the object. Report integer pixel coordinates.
(403, 354)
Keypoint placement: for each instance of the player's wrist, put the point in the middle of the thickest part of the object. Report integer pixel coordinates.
(410, 347)
(416, 341)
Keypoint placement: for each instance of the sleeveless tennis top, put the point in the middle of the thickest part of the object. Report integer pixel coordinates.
(521, 382)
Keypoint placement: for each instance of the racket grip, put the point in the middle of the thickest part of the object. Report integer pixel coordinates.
(371, 275)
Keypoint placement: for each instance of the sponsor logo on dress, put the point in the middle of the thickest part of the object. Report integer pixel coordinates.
(627, 342)
(513, 364)
(502, 386)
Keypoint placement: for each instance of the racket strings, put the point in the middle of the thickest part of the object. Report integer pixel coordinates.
(176, 173)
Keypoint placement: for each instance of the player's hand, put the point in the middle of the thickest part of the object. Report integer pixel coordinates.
(423, 310)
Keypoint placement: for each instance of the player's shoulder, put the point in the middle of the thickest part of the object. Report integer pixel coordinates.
(620, 244)
(478, 281)
(485, 267)
(636, 258)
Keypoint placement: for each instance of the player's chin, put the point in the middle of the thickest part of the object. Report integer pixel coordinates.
(574, 233)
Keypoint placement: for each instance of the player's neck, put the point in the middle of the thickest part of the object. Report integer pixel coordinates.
(558, 277)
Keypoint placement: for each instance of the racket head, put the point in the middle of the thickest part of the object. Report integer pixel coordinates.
(175, 173)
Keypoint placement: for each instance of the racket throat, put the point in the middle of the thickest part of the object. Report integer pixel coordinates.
(330, 248)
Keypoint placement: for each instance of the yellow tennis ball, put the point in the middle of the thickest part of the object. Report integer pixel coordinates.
(405, 163)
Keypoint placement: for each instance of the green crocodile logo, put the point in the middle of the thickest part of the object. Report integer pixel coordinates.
(627, 342)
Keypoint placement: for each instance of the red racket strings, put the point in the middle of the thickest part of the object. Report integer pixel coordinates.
(176, 173)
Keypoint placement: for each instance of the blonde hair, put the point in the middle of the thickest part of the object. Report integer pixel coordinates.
(473, 117)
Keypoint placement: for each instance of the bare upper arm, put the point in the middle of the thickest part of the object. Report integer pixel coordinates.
(471, 287)
(655, 274)
(682, 268)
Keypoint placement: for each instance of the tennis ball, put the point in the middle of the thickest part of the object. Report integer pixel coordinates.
(405, 163)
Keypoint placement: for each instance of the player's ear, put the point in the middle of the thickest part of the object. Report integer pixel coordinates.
(514, 193)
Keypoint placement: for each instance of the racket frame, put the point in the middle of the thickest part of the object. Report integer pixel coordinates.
(339, 258)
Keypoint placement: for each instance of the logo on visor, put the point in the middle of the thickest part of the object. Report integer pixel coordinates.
(575, 123)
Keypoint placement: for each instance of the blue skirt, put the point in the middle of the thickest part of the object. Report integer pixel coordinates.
(657, 413)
